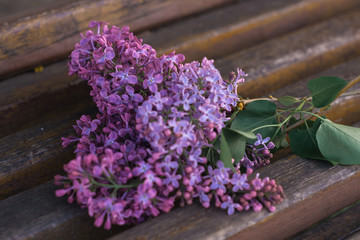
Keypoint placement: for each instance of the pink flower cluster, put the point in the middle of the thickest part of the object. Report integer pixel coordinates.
(144, 149)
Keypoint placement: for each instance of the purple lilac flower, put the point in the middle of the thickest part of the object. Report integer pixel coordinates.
(143, 150)
(102, 55)
(230, 205)
(261, 141)
(152, 81)
(240, 182)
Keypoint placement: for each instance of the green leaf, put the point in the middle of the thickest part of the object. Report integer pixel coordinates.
(325, 89)
(287, 100)
(248, 135)
(280, 141)
(339, 143)
(303, 140)
(216, 144)
(232, 145)
(256, 114)
(212, 156)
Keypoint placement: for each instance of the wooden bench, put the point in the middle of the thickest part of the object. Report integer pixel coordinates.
(281, 44)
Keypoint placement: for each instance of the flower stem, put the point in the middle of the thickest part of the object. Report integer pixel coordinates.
(265, 126)
(341, 94)
(115, 186)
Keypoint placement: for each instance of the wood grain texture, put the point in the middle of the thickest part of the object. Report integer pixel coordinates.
(241, 25)
(354, 236)
(342, 108)
(38, 214)
(265, 63)
(51, 105)
(33, 156)
(51, 35)
(38, 108)
(13, 154)
(315, 189)
(282, 61)
(22, 171)
(347, 70)
(14, 9)
(336, 227)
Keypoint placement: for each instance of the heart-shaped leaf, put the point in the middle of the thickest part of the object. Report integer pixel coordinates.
(232, 146)
(212, 155)
(256, 114)
(339, 143)
(325, 89)
(303, 140)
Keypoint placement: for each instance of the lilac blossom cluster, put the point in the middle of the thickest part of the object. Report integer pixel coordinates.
(257, 155)
(143, 150)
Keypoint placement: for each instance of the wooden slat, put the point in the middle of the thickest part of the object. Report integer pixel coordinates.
(34, 156)
(354, 236)
(279, 62)
(53, 222)
(19, 94)
(38, 214)
(62, 102)
(33, 98)
(347, 70)
(315, 189)
(51, 35)
(238, 26)
(340, 226)
(14, 9)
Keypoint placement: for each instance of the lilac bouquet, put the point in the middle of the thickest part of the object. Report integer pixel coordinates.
(154, 142)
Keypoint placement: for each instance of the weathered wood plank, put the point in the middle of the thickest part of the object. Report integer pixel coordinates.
(315, 190)
(51, 35)
(38, 214)
(49, 224)
(346, 112)
(347, 70)
(279, 62)
(14, 9)
(54, 225)
(354, 236)
(34, 156)
(35, 109)
(20, 94)
(337, 227)
(238, 26)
